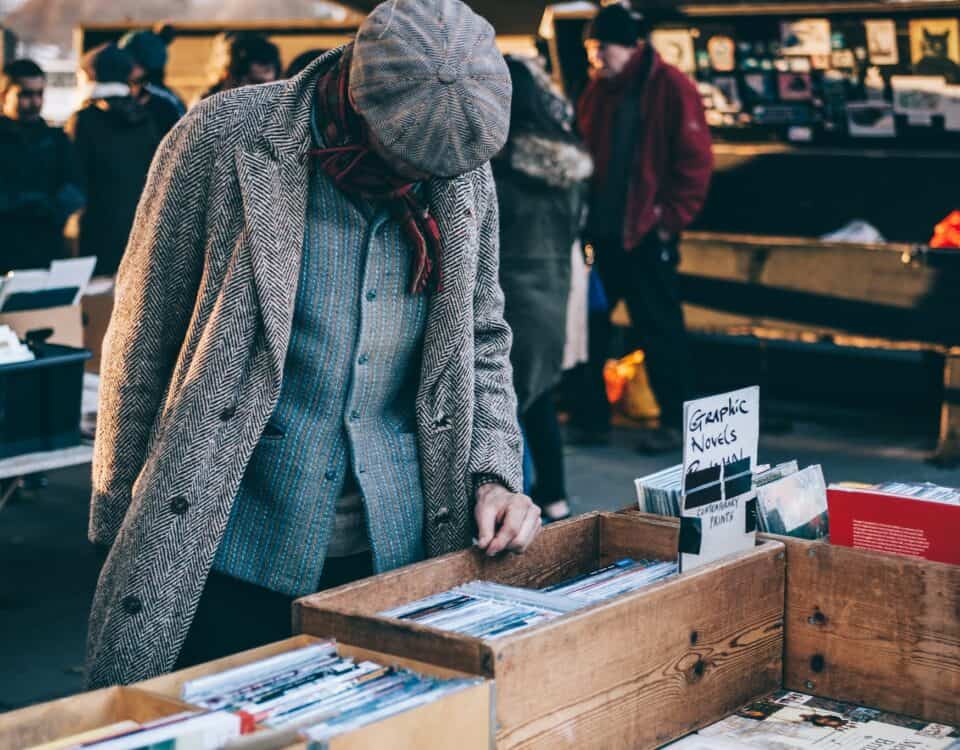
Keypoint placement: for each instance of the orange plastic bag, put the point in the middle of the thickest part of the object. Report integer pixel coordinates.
(947, 232)
(628, 387)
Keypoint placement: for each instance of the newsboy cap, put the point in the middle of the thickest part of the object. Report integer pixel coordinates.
(429, 81)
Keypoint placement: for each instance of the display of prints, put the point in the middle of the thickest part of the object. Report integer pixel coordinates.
(882, 42)
(759, 88)
(871, 120)
(918, 98)
(820, 62)
(843, 58)
(950, 107)
(723, 53)
(676, 48)
(795, 87)
(935, 47)
(726, 94)
(805, 36)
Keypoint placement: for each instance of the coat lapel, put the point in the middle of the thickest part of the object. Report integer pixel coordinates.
(274, 179)
(453, 206)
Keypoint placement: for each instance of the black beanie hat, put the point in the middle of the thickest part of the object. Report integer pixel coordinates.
(107, 64)
(615, 24)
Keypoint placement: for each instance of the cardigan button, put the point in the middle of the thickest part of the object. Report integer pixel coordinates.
(442, 515)
(227, 414)
(131, 604)
(179, 505)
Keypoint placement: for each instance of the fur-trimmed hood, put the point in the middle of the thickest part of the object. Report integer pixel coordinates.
(560, 164)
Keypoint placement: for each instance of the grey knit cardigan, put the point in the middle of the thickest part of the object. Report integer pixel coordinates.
(195, 350)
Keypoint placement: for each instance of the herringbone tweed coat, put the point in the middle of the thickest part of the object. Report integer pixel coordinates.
(195, 351)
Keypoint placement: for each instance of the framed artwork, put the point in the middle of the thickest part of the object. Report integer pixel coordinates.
(935, 47)
(727, 94)
(676, 48)
(805, 37)
(723, 53)
(918, 98)
(758, 88)
(882, 42)
(871, 120)
(795, 87)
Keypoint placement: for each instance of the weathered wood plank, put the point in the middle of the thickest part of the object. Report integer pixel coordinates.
(875, 629)
(620, 537)
(650, 666)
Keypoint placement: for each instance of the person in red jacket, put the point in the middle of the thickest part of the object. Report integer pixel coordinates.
(643, 122)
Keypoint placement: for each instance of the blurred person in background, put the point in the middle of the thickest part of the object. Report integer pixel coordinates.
(644, 124)
(301, 61)
(243, 59)
(149, 51)
(115, 139)
(540, 176)
(39, 186)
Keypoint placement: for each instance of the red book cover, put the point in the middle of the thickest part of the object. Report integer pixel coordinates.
(867, 519)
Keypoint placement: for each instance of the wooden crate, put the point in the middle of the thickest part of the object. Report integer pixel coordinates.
(872, 628)
(633, 672)
(47, 722)
(463, 719)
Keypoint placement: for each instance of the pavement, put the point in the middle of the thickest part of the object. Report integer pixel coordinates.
(48, 571)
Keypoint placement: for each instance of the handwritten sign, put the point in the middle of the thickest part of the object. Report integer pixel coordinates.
(721, 429)
(720, 442)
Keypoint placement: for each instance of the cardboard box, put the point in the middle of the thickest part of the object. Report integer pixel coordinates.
(461, 720)
(97, 309)
(633, 672)
(66, 322)
(47, 722)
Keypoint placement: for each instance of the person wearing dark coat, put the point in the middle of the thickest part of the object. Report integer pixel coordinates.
(248, 59)
(115, 139)
(38, 181)
(540, 176)
(149, 51)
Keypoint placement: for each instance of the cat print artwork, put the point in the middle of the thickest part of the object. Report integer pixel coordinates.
(935, 47)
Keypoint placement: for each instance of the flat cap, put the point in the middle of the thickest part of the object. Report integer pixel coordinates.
(428, 79)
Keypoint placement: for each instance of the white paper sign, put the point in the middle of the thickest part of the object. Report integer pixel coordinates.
(721, 429)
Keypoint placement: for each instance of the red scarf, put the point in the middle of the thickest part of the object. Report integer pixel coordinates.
(358, 171)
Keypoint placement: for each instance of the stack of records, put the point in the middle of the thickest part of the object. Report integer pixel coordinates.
(209, 730)
(792, 502)
(317, 691)
(490, 610)
(621, 577)
(660, 493)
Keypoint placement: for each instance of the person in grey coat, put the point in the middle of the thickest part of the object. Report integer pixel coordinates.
(307, 377)
(541, 175)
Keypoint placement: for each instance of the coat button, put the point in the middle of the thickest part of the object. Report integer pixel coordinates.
(330, 475)
(179, 505)
(372, 295)
(228, 413)
(364, 358)
(131, 604)
(442, 515)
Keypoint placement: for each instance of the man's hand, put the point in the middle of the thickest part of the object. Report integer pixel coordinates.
(505, 520)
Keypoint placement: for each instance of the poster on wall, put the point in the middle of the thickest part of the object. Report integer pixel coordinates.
(727, 94)
(676, 48)
(882, 42)
(805, 37)
(871, 120)
(759, 88)
(723, 53)
(795, 87)
(935, 47)
(950, 107)
(918, 98)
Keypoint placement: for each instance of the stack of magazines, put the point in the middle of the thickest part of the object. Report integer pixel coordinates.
(793, 721)
(490, 610)
(315, 692)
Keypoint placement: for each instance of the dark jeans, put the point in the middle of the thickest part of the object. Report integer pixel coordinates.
(646, 279)
(236, 616)
(546, 449)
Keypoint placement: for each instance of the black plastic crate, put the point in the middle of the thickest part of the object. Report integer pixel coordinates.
(40, 400)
